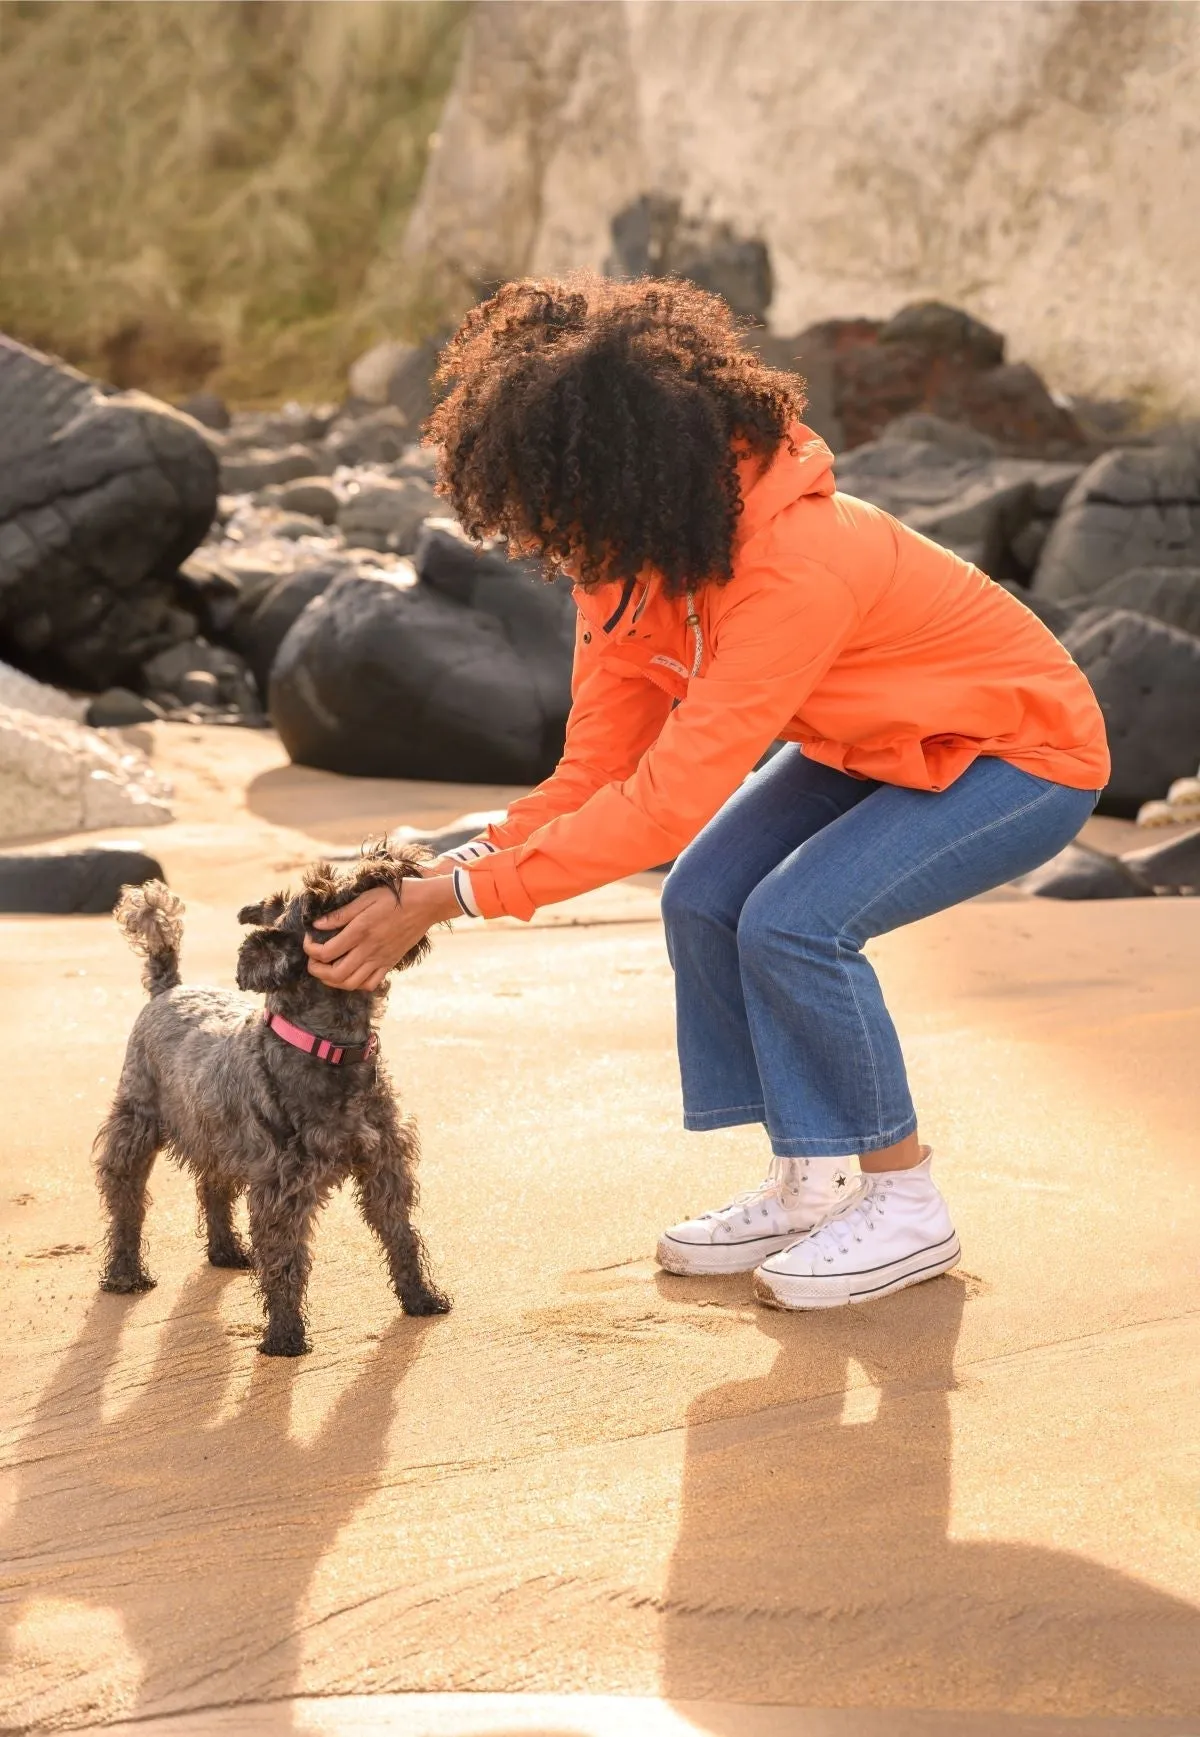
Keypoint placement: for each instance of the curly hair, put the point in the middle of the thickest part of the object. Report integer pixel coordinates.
(599, 425)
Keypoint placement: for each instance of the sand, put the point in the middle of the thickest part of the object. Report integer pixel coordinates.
(971, 1507)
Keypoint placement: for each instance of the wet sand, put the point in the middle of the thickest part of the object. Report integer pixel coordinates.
(980, 1497)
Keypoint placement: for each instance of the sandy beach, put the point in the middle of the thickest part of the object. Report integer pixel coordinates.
(969, 1508)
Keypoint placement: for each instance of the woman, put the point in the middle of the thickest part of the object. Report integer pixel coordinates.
(939, 742)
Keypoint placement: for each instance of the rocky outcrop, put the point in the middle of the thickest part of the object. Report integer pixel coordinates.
(1134, 508)
(59, 776)
(954, 485)
(1032, 163)
(1146, 677)
(102, 495)
(456, 669)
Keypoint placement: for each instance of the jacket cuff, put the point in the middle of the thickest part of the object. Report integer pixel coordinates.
(497, 888)
(461, 882)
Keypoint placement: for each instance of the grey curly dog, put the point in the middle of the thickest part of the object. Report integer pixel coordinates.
(209, 1078)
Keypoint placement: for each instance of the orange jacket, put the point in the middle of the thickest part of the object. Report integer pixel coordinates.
(882, 653)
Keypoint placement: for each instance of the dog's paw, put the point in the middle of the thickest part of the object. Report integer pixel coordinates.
(284, 1345)
(125, 1281)
(427, 1302)
(233, 1256)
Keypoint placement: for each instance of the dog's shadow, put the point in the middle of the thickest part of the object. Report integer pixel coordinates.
(190, 1514)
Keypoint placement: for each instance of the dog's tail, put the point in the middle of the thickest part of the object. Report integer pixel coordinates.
(151, 917)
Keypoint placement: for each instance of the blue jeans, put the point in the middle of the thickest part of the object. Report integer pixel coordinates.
(780, 1018)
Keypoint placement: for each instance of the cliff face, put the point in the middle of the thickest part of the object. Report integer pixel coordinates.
(1037, 162)
(205, 192)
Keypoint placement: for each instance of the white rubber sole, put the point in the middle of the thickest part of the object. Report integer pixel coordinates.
(805, 1291)
(704, 1260)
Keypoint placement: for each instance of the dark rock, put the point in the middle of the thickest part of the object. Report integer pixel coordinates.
(1170, 594)
(210, 591)
(1058, 617)
(208, 410)
(945, 331)
(955, 493)
(1026, 547)
(293, 425)
(64, 883)
(310, 495)
(653, 238)
(932, 358)
(1146, 677)
(102, 495)
(466, 678)
(174, 677)
(1134, 507)
(1170, 867)
(387, 514)
(293, 527)
(410, 388)
(277, 610)
(199, 687)
(117, 708)
(1079, 872)
(257, 469)
(380, 437)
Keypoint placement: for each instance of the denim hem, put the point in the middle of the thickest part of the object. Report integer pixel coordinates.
(785, 1147)
(736, 1116)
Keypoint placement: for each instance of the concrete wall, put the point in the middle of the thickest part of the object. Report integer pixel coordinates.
(1037, 162)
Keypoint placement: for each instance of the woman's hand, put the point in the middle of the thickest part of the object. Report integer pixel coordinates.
(374, 931)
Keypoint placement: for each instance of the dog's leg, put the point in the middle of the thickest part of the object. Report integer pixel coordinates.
(280, 1226)
(387, 1193)
(126, 1148)
(225, 1246)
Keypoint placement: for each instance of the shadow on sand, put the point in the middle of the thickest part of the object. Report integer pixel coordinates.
(195, 1520)
(813, 1565)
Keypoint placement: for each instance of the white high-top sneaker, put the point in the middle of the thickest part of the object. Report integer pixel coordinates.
(793, 1196)
(893, 1230)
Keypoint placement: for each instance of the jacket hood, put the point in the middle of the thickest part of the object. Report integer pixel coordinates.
(788, 477)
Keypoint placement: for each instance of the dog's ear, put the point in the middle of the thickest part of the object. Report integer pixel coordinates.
(269, 959)
(267, 913)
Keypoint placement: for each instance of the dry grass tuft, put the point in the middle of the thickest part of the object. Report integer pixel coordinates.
(212, 192)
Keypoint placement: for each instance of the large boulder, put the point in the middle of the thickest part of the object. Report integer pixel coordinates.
(245, 473)
(387, 513)
(268, 625)
(932, 358)
(953, 485)
(1146, 677)
(73, 882)
(400, 375)
(59, 776)
(102, 495)
(1135, 507)
(654, 237)
(462, 674)
(1081, 872)
(1170, 594)
(19, 690)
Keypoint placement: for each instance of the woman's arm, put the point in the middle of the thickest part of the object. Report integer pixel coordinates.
(775, 638)
(615, 715)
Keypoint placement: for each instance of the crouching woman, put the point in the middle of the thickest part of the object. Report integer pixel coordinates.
(938, 742)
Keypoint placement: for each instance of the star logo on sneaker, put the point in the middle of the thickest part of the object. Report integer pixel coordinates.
(839, 1180)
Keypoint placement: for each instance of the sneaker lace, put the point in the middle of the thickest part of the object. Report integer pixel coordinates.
(851, 1219)
(778, 1183)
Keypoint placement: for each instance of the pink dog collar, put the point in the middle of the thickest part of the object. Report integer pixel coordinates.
(323, 1048)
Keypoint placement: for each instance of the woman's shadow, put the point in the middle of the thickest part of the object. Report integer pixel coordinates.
(196, 1520)
(813, 1565)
